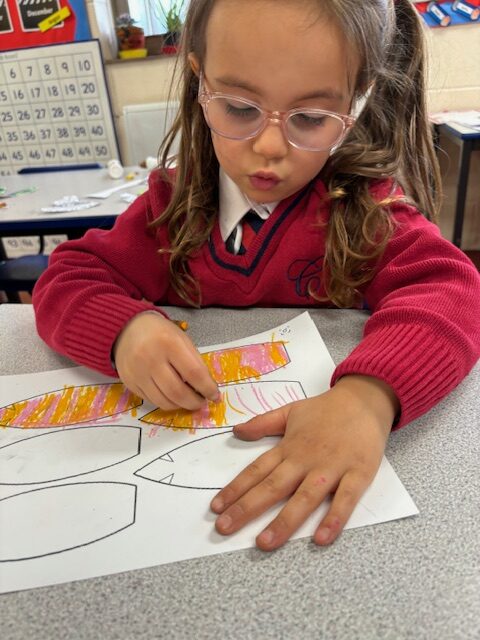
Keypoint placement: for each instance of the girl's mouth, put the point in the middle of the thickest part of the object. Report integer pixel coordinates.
(264, 181)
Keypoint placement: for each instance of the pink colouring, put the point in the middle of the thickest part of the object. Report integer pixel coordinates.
(242, 403)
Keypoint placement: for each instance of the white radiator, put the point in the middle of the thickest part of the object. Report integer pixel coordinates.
(146, 125)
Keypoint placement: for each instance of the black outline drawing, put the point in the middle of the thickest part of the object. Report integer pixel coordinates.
(68, 424)
(262, 384)
(83, 544)
(57, 433)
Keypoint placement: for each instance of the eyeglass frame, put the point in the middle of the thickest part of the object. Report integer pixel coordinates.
(276, 117)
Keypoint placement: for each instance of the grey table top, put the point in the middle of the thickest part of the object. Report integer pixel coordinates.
(413, 578)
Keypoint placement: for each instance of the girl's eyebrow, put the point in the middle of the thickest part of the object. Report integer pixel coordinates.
(325, 93)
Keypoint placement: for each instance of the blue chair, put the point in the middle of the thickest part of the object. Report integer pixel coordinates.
(21, 274)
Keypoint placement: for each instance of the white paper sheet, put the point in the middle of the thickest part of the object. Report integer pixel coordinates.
(108, 489)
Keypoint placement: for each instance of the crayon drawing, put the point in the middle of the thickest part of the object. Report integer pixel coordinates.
(246, 362)
(70, 406)
(132, 503)
(239, 403)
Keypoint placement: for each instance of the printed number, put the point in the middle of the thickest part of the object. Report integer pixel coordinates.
(57, 112)
(29, 135)
(50, 153)
(84, 65)
(101, 150)
(84, 151)
(62, 132)
(30, 70)
(97, 130)
(34, 154)
(74, 111)
(40, 113)
(12, 136)
(18, 156)
(6, 116)
(35, 92)
(3, 96)
(45, 134)
(48, 69)
(12, 74)
(65, 66)
(3, 156)
(23, 115)
(70, 88)
(92, 110)
(285, 331)
(53, 91)
(67, 152)
(18, 94)
(79, 132)
(88, 87)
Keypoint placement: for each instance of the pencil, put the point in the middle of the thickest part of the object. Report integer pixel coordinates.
(183, 324)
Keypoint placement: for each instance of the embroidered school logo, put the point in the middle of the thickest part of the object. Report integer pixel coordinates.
(306, 275)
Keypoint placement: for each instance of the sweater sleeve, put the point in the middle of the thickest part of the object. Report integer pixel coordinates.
(423, 336)
(94, 285)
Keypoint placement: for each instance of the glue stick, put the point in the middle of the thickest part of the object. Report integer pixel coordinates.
(115, 169)
(438, 14)
(467, 10)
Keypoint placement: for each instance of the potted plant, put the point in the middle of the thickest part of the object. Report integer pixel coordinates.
(131, 39)
(172, 18)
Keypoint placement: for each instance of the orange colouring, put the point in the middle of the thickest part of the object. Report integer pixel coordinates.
(244, 363)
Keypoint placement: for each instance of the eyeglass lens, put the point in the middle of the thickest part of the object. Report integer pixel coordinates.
(236, 119)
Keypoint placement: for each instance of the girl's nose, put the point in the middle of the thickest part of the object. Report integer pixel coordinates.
(271, 142)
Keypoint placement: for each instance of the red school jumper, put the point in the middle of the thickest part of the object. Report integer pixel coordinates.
(422, 338)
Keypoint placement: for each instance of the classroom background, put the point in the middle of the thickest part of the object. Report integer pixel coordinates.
(139, 107)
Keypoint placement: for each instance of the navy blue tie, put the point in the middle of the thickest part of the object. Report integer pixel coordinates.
(249, 226)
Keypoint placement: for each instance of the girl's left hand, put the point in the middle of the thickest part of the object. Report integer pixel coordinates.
(332, 443)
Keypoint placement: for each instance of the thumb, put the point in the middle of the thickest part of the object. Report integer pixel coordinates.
(271, 423)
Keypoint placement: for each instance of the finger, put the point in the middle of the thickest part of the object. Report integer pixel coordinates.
(254, 473)
(271, 423)
(175, 390)
(282, 482)
(349, 491)
(308, 497)
(193, 370)
(153, 394)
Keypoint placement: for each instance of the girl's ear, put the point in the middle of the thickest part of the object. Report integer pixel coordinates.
(194, 63)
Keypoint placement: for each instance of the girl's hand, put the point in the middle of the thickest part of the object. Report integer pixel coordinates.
(156, 360)
(332, 443)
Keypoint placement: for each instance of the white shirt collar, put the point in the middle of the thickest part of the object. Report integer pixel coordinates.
(234, 204)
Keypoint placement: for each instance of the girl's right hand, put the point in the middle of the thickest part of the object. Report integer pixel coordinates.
(156, 360)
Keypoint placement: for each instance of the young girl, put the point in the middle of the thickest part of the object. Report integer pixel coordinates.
(269, 93)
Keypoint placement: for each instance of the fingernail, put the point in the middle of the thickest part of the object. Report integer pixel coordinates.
(217, 504)
(224, 522)
(323, 535)
(266, 537)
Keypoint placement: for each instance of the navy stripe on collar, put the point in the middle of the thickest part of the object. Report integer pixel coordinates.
(248, 270)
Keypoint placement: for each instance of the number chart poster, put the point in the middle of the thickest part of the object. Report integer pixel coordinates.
(54, 107)
(19, 21)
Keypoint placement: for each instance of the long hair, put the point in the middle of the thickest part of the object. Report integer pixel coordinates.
(391, 138)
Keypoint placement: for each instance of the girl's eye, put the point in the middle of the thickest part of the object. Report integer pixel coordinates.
(309, 120)
(239, 110)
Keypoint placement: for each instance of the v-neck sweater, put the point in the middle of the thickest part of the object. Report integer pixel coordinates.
(422, 338)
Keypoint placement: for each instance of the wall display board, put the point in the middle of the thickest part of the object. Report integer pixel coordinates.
(447, 14)
(54, 107)
(21, 22)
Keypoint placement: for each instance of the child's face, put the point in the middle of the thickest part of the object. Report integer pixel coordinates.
(277, 55)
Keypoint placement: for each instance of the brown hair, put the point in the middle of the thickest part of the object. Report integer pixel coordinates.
(391, 137)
